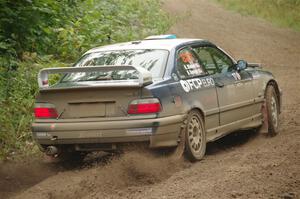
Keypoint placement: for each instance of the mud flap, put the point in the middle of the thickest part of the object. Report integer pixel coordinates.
(265, 127)
(178, 152)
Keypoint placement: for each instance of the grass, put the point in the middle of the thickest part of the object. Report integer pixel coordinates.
(283, 13)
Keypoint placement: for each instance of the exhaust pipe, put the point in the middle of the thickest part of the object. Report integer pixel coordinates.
(51, 150)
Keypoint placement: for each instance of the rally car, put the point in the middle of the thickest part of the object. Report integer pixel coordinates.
(162, 91)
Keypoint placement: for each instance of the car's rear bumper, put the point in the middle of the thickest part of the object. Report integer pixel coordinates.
(159, 132)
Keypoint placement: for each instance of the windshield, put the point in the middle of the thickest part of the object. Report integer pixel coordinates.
(150, 59)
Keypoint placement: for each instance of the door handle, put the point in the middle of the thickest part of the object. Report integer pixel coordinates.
(219, 84)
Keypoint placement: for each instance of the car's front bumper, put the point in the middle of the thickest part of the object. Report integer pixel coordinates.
(159, 132)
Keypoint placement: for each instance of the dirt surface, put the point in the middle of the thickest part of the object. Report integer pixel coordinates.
(244, 165)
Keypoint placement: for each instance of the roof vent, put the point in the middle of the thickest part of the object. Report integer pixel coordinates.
(155, 37)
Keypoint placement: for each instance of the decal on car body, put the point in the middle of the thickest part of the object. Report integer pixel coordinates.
(196, 83)
(236, 76)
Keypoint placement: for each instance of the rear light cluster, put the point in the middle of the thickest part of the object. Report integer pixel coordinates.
(45, 111)
(144, 106)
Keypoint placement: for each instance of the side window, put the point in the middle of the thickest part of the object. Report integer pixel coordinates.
(214, 60)
(206, 58)
(188, 64)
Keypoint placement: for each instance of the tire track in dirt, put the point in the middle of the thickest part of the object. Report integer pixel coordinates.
(239, 166)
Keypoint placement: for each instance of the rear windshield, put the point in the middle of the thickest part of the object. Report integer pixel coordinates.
(150, 59)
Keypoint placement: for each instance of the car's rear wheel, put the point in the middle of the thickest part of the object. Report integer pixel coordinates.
(195, 137)
(272, 106)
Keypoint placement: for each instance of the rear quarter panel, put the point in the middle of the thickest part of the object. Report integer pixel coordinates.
(176, 101)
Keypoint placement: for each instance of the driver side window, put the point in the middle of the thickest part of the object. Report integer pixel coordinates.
(214, 60)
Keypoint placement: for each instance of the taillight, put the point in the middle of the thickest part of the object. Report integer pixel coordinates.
(44, 111)
(143, 106)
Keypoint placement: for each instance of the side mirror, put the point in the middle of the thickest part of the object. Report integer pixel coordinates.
(241, 65)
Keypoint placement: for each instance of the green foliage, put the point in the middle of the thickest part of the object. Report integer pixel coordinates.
(29, 25)
(66, 28)
(111, 21)
(18, 90)
(46, 33)
(285, 13)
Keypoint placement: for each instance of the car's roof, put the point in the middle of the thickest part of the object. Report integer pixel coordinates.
(164, 44)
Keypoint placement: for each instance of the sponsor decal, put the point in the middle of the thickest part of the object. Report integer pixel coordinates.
(236, 76)
(196, 83)
(193, 69)
(139, 131)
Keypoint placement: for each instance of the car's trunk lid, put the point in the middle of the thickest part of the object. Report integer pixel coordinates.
(90, 102)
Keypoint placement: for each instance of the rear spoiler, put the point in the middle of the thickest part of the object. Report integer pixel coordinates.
(144, 76)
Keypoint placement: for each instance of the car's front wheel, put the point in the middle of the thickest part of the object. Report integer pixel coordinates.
(195, 136)
(272, 106)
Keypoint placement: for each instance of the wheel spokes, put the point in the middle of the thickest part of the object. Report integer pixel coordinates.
(194, 133)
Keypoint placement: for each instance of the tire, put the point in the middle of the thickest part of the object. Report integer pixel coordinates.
(195, 137)
(272, 106)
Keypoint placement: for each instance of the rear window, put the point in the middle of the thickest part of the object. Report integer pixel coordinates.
(150, 59)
